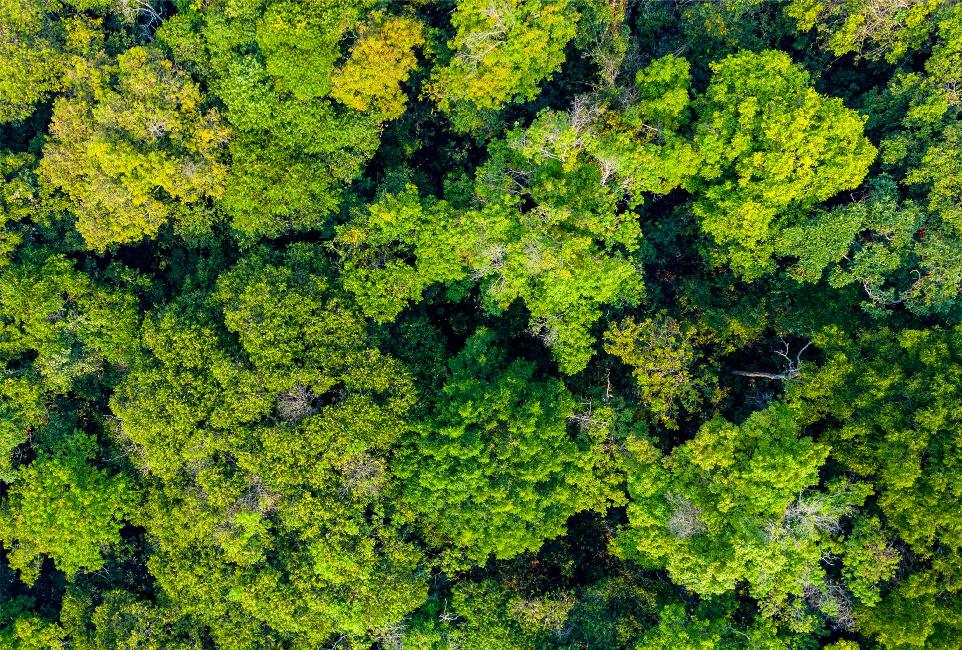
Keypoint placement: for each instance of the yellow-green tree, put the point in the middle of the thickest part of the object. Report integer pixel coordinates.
(771, 148)
(134, 148)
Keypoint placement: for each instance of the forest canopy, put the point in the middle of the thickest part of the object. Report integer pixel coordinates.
(480, 324)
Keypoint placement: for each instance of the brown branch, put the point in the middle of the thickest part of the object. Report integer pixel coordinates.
(783, 376)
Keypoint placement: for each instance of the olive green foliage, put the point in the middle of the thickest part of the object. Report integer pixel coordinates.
(38, 42)
(508, 324)
(662, 360)
(380, 61)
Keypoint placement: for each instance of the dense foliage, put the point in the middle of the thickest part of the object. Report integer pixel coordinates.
(480, 324)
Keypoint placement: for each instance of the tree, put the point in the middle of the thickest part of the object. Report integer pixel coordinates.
(38, 42)
(550, 224)
(874, 397)
(871, 28)
(495, 469)
(62, 336)
(772, 148)
(19, 200)
(381, 60)
(62, 508)
(376, 249)
(662, 359)
(737, 503)
(263, 419)
(274, 65)
(489, 614)
(502, 50)
(134, 153)
(902, 444)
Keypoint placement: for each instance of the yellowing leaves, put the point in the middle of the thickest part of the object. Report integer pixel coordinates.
(381, 60)
(136, 152)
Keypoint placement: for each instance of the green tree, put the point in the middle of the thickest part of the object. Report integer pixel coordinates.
(62, 336)
(39, 43)
(502, 50)
(887, 401)
(263, 419)
(662, 358)
(304, 122)
(772, 148)
(737, 504)
(871, 28)
(62, 508)
(552, 225)
(496, 469)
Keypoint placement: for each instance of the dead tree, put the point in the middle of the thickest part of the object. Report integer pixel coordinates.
(792, 366)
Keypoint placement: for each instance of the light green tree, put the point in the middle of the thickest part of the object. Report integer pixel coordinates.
(63, 508)
(502, 51)
(737, 503)
(771, 149)
(263, 419)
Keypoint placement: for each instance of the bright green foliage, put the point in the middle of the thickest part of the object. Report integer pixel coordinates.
(268, 447)
(772, 147)
(563, 281)
(377, 246)
(870, 559)
(502, 50)
(736, 504)
(871, 28)
(18, 199)
(569, 255)
(488, 615)
(941, 172)
(134, 151)
(923, 103)
(662, 360)
(497, 469)
(676, 629)
(493, 617)
(32, 58)
(121, 620)
(904, 443)
(480, 324)
(918, 613)
(574, 252)
(60, 318)
(62, 508)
